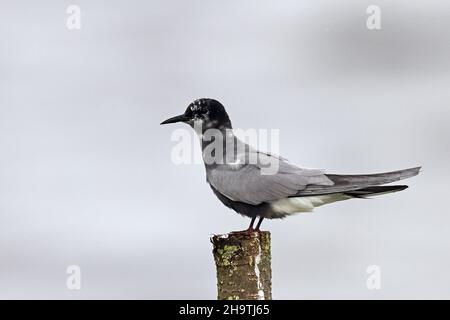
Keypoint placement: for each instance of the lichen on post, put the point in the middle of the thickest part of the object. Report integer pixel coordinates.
(243, 265)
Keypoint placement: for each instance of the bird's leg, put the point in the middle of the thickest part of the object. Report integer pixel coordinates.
(259, 223)
(250, 227)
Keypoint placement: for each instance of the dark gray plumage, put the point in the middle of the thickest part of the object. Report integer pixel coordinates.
(244, 186)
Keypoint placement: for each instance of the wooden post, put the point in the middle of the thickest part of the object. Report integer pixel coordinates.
(243, 265)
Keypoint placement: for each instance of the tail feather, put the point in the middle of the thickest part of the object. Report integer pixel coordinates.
(374, 179)
(375, 191)
(347, 183)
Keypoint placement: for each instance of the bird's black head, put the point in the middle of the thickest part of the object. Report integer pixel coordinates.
(205, 113)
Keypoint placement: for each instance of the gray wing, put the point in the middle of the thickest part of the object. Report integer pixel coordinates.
(345, 183)
(247, 182)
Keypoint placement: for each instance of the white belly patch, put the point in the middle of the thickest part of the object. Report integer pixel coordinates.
(289, 206)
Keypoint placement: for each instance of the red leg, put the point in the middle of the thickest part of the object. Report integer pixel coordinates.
(259, 223)
(249, 229)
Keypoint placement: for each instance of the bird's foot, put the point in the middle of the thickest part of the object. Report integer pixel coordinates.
(246, 231)
(250, 228)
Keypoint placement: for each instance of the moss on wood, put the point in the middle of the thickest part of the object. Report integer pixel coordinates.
(243, 265)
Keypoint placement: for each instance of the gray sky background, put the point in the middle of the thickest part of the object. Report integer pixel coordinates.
(86, 176)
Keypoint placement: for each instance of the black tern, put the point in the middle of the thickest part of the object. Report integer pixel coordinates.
(235, 172)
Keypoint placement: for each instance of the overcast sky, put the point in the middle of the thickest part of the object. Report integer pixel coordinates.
(86, 176)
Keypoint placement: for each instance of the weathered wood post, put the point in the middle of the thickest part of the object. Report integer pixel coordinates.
(243, 265)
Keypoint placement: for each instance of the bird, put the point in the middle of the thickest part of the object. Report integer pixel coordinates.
(237, 177)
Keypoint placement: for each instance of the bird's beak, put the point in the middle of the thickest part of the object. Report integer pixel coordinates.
(180, 118)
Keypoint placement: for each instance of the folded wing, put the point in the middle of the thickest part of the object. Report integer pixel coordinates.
(248, 183)
(346, 183)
